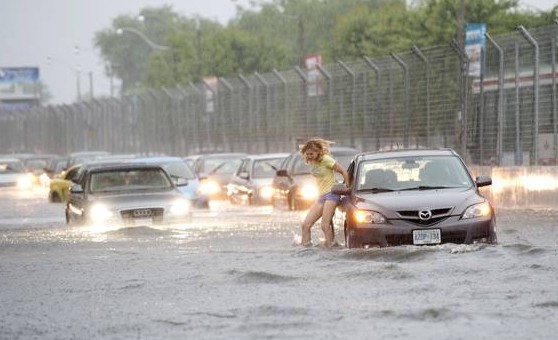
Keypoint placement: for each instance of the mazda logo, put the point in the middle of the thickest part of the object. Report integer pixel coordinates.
(142, 213)
(425, 215)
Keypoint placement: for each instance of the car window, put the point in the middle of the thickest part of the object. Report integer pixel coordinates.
(266, 168)
(412, 172)
(179, 169)
(128, 180)
(7, 167)
(226, 166)
(300, 166)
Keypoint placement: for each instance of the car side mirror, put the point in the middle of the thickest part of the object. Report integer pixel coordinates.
(341, 189)
(76, 189)
(282, 173)
(180, 182)
(483, 181)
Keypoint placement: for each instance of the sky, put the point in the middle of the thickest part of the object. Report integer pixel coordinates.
(36, 31)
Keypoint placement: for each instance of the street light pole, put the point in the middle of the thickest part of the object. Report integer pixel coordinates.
(140, 34)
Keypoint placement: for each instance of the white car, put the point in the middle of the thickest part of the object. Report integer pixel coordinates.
(13, 174)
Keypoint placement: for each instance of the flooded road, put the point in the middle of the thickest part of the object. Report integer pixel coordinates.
(237, 273)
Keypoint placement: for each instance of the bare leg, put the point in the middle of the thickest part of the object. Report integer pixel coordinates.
(312, 216)
(327, 216)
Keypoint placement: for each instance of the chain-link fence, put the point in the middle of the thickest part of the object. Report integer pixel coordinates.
(423, 98)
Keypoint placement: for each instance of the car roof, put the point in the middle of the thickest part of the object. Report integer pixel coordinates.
(87, 153)
(406, 153)
(221, 155)
(10, 159)
(122, 166)
(267, 156)
(158, 159)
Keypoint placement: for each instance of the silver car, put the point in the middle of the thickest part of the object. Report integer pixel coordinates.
(127, 195)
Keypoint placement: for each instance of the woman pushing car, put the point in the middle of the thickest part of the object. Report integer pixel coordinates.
(316, 153)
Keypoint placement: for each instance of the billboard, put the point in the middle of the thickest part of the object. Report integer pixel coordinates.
(314, 76)
(475, 41)
(19, 83)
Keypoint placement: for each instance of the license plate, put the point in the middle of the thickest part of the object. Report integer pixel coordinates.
(143, 221)
(427, 236)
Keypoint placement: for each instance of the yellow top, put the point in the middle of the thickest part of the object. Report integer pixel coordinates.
(323, 171)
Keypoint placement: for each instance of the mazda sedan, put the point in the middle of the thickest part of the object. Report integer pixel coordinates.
(127, 195)
(414, 197)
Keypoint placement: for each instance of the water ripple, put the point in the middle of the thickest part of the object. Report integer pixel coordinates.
(260, 277)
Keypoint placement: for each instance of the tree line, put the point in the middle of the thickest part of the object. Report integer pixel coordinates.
(162, 48)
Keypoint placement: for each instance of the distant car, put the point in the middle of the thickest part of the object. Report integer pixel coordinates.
(177, 168)
(251, 183)
(60, 185)
(83, 156)
(36, 165)
(215, 171)
(414, 197)
(13, 174)
(55, 166)
(127, 195)
(294, 186)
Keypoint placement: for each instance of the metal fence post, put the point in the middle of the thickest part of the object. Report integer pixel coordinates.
(231, 136)
(250, 118)
(536, 60)
(353, 98)
(501, 117)
(305, 93)
(406, 85)
(285, 105)
(266, 114)
(378, 72)
(329, 99)
(464, 62)
(422, 57)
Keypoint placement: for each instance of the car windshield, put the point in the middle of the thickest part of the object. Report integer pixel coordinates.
(412, 173)
(266, 168)
(128, 180)
(217, 166)
(10, 167)
(179, 169)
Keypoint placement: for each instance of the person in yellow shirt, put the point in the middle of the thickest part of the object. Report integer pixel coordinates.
(316, 153)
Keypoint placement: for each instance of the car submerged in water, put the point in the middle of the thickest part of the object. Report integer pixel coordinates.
(414, 197)
(127, 195)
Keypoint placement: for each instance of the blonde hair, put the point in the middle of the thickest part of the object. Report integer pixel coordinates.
(320, 145)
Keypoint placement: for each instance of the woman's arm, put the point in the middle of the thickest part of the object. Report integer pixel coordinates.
(340, 169)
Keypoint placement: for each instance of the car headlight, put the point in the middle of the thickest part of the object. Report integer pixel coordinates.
(266, 192)
(99, 213)
(367, 217)
(210, 187)
(478, 210)
(180, 207)
(309, 192)
(25, 182)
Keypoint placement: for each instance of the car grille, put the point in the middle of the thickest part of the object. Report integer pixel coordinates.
(412, 216)
(128, 216)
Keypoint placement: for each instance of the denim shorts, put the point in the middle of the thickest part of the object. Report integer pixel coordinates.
(330, 197)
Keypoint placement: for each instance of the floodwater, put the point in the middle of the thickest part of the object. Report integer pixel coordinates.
(237, 273)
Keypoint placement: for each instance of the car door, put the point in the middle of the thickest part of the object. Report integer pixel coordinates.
(241, 179)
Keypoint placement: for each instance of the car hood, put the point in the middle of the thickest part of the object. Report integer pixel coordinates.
(134, 200)
(389, 202)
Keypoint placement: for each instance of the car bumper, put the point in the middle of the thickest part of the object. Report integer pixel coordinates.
(397, 232)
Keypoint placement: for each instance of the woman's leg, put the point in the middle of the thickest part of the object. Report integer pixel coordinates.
(311, 217)
(327, 215)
